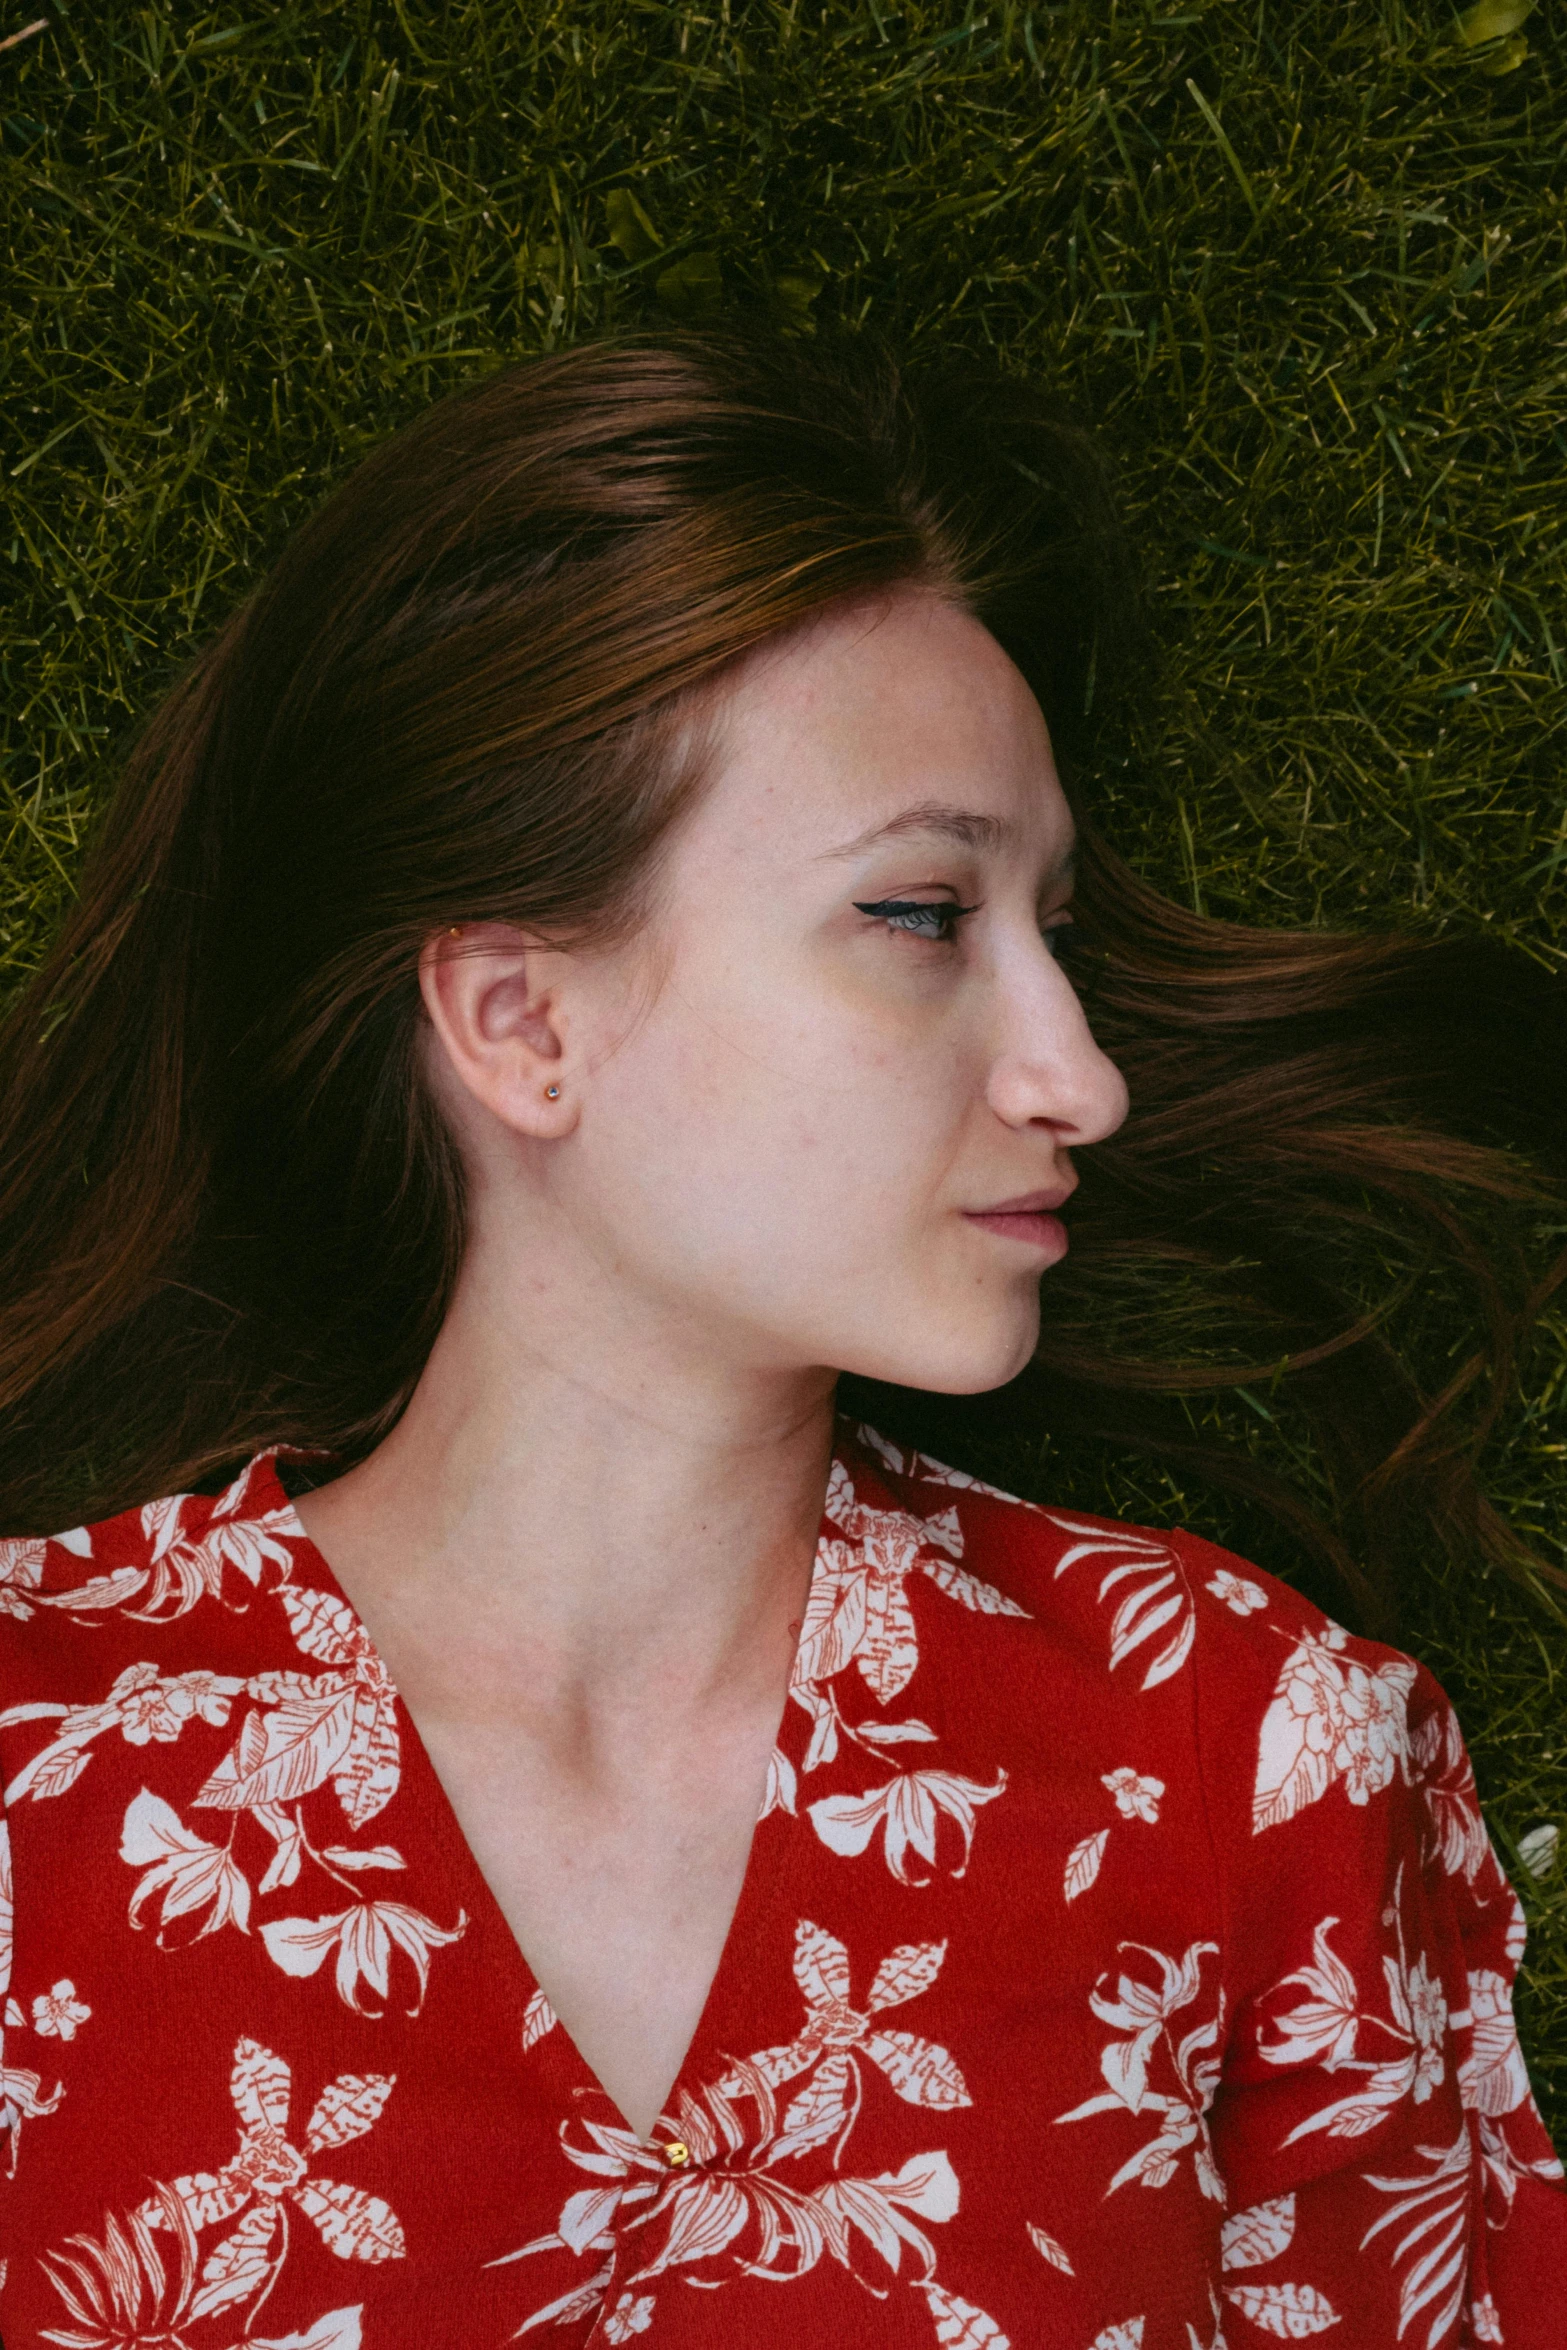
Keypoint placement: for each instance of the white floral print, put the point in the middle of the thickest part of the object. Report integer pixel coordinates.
(859, 1610)
(21, 1577)
(122, 2293)
(538, 2018)
(226, 1717)
(837, 2035)
(1239, 1593)
(907, 1810)
(22, 2093)
(1442, 1770)
(738, 2184)
(1136, 1798)
(1236, 1592)
(858, 1618)
(1432, 2251)
(268, 2175)
(1330, 1721)
(58, 2013)
(141, 1705)
(1153, 1600)
(301, 1734)
(123, 2290)
(632, 2314)
(1048, 2249)
(1325, 2030)
(186, 1566)
(1144, 2011)
(1492, 2079)
(22, 2097)
(1257, 2238)
(339, 1725)
(1083, 1864)
(363, 1937)
(191, 1876)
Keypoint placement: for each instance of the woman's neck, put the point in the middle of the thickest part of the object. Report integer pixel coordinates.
(586, 1573)
(581, 1529)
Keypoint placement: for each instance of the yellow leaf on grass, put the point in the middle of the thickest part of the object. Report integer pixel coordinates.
(629, 226)
(1511, 53)
(1491, 20)
(694, 283)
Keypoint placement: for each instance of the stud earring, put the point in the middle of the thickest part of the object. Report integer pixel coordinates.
(456, 930)
(551, 1091)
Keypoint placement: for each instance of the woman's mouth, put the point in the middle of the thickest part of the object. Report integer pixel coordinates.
(1028, 1219)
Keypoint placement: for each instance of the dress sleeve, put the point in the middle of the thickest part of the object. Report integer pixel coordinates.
(1387, 2168)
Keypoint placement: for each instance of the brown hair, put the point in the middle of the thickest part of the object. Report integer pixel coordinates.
(229, 1215)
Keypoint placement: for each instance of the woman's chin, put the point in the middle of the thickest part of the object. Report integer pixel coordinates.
(963, 1363)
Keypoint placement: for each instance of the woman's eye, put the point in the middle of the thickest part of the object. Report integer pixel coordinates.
(933, 918)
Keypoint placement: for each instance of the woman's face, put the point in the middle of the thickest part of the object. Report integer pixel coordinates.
(781, 1115)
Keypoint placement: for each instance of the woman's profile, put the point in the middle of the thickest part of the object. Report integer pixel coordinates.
(539, 1800)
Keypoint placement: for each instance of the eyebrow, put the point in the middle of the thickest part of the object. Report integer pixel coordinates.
(970, 828)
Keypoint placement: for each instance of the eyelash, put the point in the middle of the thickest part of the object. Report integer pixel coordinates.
(902, 914)
(896, 913)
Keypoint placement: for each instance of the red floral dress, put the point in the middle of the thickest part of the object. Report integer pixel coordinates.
(1121, 1964)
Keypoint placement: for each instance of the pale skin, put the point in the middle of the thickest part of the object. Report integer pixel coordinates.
(584, 1551)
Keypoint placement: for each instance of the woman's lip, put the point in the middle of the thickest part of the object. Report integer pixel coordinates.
(1031, 1225)
(1028, 1203)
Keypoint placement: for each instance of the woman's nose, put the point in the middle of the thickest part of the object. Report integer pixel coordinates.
(1050, 1066)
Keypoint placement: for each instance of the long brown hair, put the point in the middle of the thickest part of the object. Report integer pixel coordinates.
(229, 1215)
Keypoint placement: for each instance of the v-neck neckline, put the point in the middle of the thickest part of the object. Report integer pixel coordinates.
(763, 1881)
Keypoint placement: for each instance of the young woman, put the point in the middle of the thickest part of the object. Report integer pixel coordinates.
(531, 1811)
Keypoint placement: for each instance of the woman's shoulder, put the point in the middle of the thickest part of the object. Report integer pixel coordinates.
(69, 1601)
(1282, 1701)
(1154, 1580)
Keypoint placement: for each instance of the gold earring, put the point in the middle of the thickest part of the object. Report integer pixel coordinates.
(551, 1091)
(456, 930)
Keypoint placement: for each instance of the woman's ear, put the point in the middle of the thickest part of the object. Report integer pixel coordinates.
(495, 1005)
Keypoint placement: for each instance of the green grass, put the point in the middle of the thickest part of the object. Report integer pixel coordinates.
(1305, 261)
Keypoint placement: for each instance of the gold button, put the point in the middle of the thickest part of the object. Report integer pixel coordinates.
(677, 2154)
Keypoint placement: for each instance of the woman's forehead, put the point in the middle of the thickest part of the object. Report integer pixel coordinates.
(904, 721)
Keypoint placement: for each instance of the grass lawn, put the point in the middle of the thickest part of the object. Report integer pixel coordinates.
(1305, 262)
